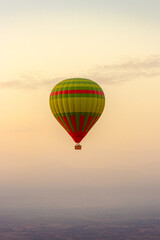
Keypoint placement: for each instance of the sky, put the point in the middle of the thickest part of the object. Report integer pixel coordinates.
(116, 44)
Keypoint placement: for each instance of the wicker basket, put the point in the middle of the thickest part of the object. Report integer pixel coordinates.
(78, 147)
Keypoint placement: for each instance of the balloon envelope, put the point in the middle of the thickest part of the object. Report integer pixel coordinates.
(77, 104)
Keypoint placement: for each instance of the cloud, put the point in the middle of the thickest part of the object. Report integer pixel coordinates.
(28, 81)
(126, 71)
(106, 74)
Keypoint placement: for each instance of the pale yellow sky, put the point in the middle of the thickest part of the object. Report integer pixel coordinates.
(120, 157)
(121, 152)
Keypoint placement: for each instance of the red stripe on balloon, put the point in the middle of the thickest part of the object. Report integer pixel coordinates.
(77, 139)
(76, 91)
(77, 136)
(81, 122)
(67, 123)
(88, 122)
(62, 123)
(73, 119)
(96, 118)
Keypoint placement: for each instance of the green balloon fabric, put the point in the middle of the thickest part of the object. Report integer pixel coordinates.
(77, 104)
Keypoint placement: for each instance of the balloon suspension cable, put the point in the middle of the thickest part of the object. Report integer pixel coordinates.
(78, 146)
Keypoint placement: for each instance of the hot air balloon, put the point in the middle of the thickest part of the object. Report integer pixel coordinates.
(77, 104)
